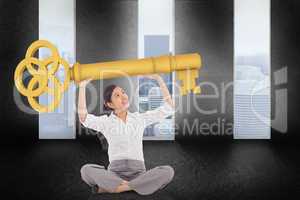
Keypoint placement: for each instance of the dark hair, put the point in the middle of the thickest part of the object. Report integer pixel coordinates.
(107, 97)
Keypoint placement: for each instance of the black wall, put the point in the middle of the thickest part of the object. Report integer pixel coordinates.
(206, 27)
(285, 42)
(18, 29)
(106, 31)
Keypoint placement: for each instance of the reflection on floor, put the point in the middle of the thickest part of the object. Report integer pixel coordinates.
(236, 170)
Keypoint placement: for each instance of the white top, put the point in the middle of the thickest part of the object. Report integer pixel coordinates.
(125, 140)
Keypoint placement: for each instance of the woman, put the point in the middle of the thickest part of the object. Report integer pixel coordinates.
(124, 133)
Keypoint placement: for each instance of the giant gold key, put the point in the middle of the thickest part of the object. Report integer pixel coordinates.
(44, 80)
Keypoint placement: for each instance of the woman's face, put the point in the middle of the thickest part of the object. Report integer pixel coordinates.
(119, 99)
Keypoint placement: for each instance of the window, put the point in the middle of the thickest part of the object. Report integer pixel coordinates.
(59, 29)
(252, 69)
(156, 37)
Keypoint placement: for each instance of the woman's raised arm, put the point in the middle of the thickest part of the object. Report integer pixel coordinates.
(164, 89)
(163, 111)
(81, 108)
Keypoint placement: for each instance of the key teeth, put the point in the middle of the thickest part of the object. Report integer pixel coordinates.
(188, 86)
(197, 90)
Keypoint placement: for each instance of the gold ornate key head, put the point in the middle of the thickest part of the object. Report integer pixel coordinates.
(43, 76)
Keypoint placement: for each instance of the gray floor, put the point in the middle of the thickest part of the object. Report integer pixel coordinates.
(49, 169)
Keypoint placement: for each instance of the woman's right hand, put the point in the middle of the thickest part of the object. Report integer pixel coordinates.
(84, 82)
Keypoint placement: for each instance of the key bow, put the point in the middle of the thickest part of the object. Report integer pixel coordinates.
(43, 72)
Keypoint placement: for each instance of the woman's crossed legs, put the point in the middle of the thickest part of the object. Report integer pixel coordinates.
(145, 183)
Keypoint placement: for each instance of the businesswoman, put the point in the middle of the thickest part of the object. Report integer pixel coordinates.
(124, 133)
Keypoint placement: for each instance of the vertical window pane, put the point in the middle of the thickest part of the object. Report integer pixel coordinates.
(252, 69)
(156, 37)
(57, 25)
